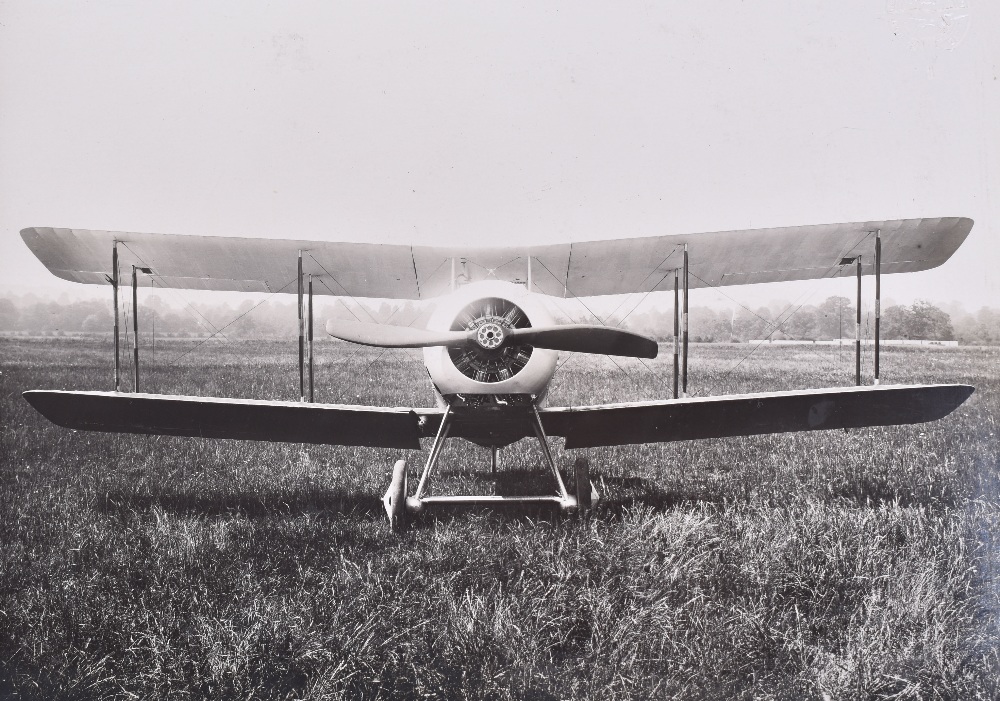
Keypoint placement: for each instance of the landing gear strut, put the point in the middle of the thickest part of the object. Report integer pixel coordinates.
(399, 505)
(395, 497)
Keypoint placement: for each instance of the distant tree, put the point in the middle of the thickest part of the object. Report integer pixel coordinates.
(921, 321)
(705, 325)
(340, 310)
(8, 315)
(894, 322)
(383, 314)
(981, 328)
(172, 322)
(989, 324)
(247, 322)
(406, 314)
(929, 322)
(757, 324)
(802, 324)
(97, 322)
(834, 317)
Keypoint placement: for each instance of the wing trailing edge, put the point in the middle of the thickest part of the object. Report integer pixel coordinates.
(752, 414)
(247, 419)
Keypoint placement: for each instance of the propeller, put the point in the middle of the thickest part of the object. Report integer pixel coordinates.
(392, 336)
(492, 336)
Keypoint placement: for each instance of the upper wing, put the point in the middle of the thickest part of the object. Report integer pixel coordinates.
(750, 414)
(212, 417)
(615, 266)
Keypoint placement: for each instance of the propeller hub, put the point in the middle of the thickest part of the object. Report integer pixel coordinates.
(490, 335)
(490, 353)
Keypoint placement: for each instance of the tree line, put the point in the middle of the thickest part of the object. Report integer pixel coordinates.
(269, 319)
(833, 318)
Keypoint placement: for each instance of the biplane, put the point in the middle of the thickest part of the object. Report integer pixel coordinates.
(491, 343)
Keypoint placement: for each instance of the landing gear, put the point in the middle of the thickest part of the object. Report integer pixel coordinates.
(395, 498)
(399, 505)
(584, 489)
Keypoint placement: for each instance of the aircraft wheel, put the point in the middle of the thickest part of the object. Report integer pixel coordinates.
(395, 498)
(583, 488)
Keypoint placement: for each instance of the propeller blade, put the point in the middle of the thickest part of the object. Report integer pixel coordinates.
(391, 336)
(577, 338)
(586, 338)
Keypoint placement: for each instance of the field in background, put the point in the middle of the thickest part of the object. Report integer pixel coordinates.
(858, 564)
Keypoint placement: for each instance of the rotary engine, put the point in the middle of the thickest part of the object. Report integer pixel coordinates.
(491, 310)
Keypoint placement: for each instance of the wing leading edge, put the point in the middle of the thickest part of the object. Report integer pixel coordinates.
(248, 419)
(582, 427)
(752, 414)
(580, 269)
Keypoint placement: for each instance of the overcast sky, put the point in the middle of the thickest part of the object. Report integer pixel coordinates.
(434, 122)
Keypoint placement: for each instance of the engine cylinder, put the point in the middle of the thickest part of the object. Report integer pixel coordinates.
(487, 366)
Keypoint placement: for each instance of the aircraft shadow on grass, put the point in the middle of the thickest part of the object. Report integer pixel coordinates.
(249, 504)
(623, 493)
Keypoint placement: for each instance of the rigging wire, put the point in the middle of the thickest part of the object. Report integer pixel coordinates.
(778, 321)
(603, 323)
(490, 271)
(664, 381)
(776, 324)
(648, 292)
(395, 311)
(204, 322)
(367, 311)
(209, 338)
(358, 349)
(346, 292)
(805, 297)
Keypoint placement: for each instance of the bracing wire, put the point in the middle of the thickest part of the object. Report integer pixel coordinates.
(204, 321)
(782, 318)
(357, 350)
(218, 332)
(346, 292)
(604, 323)
(491, 271)
(775, 324)
(648, 292)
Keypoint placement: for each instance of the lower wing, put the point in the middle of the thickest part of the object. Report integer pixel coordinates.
(583, 427)
(750, 414)
(211, 417)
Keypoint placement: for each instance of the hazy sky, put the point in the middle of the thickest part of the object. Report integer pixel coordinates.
(433, 122)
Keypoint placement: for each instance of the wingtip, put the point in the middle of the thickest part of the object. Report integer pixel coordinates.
(43, 401)
(947, 398)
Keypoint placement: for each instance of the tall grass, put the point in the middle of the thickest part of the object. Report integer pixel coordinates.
(826, 565)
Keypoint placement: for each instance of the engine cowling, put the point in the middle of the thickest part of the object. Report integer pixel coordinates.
(490, 366)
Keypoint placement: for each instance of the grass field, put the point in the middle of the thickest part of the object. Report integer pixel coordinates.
(826, 565)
